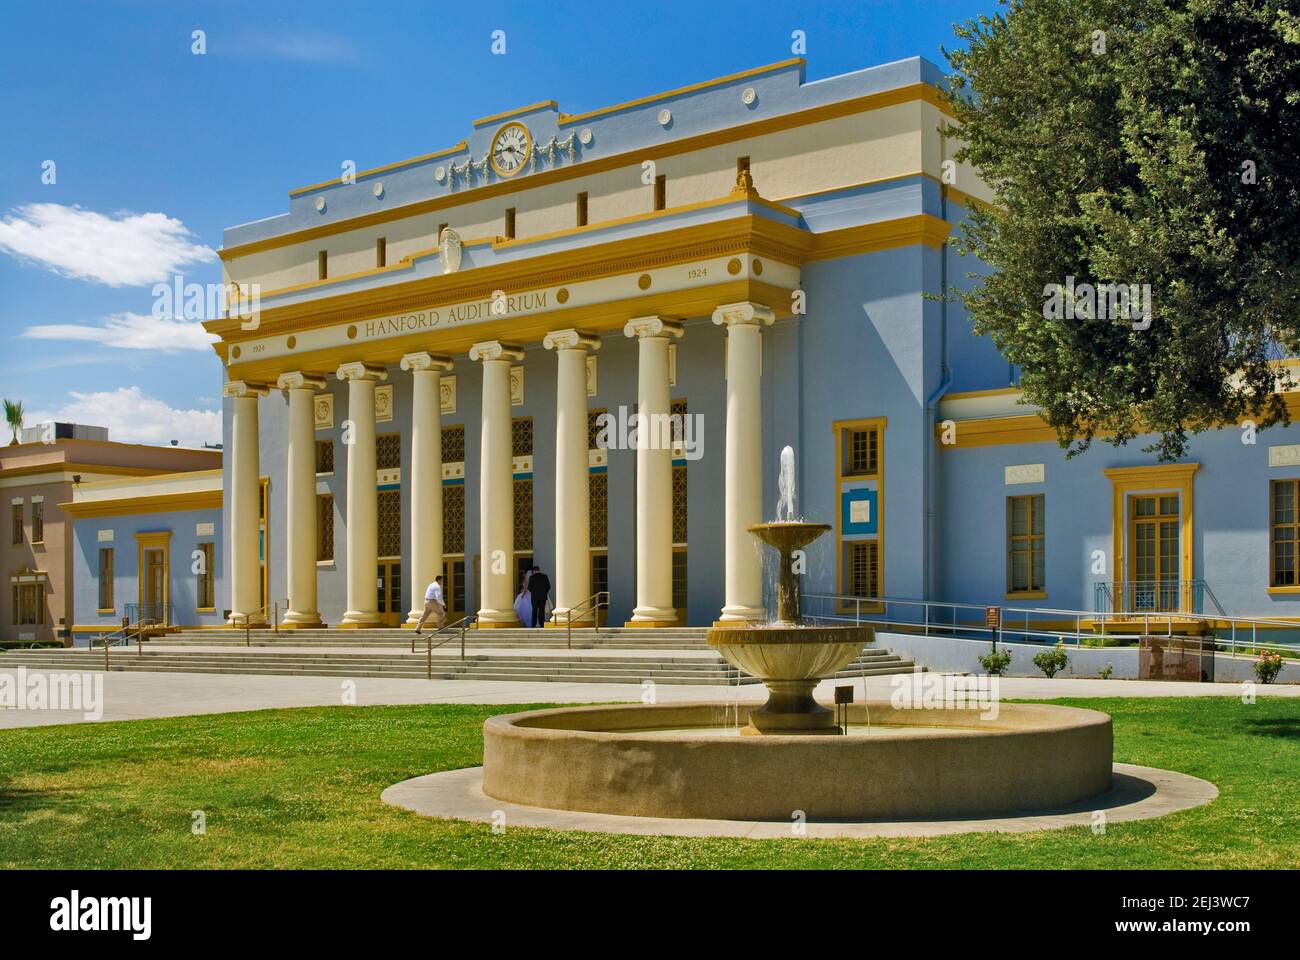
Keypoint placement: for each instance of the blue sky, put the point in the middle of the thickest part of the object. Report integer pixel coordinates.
(157, 149)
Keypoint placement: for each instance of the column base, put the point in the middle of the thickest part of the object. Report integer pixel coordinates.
(258, 621)
(496, 619)
(653, 617)
(360, 620)
(741, 614)
(316, 624)
(298, 619)
(586, 618)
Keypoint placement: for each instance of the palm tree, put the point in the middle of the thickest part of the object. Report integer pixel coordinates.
(14, 416)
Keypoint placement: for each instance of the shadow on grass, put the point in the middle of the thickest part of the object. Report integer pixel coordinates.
(1286, 727)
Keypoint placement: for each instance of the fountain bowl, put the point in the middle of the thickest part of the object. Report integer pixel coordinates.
(790, 659)
(685, 761)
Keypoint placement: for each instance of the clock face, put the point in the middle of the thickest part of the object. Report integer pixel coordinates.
(510, 149)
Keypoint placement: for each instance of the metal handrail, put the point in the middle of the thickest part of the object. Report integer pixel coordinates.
(463, 623)
(1155, 595)
(595, 602)
(931, 620)
(259, 616)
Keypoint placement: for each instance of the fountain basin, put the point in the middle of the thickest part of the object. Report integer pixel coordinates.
(790, 660)
(627, 760)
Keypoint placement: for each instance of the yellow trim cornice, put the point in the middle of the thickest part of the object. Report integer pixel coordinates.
(397, 165)
(518, 111)
(755, 128)
(569, 118)
(67, 467)
(870, 237)
(164, 503)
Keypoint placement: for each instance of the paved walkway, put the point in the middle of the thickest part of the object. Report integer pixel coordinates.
(130, 696)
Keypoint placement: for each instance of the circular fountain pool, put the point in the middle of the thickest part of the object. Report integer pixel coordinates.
(687, 761)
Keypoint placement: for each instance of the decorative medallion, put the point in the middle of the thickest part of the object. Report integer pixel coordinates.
(591, 375)
(516, 385)
(562, 295)
(323, 411)
(733, 266)
(447, 388)
(643, 281)
(384, 403)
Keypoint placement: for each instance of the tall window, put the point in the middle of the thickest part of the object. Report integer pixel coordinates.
(859, 514)
(510, 223)
(29, 604)
(106, 578)
(38, 521)
(18, 522)
(521, 445)
(1025, 539)
(453, 518)
(453, 444)
(661, 192)
(861, 452)
(324, 456)
(390, 523)
(325, 527)
(862, 568)
(388, 451)
(322, 265)
(381, 252)
(1284, 533)
(207, 579)
(582, 209)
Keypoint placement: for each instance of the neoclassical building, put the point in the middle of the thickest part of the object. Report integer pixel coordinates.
(422, 388)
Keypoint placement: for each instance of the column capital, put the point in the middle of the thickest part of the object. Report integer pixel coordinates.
(300, 380)
(496, 350)
(426, 361)
(361, 371)
(644, 327)
(571, 339)
(745, 312)
(244, 388)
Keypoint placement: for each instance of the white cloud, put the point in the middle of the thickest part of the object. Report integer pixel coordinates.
(135, 417)
(130, 331)
(124, 250)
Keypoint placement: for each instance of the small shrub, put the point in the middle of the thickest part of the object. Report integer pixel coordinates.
(1106, 671)
(1268, 666)
(1053, 661)
(996, 662)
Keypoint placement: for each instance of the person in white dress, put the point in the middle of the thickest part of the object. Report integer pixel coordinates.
(524, 601)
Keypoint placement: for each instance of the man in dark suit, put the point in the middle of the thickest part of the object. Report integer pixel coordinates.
(539, 585)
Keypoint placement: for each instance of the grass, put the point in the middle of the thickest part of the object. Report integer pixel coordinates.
(300, 788)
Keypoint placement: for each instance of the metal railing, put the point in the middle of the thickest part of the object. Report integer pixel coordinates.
(1044, 625)
(1153, 596)
(595, 603)
(148, 614)
(259, 618)
(460, 626)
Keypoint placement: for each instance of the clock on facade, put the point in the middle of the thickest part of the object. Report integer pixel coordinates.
(511, 148)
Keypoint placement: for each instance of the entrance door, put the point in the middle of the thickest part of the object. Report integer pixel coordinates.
(453, 588)
(1155, 571)
(391, 610)
(155, 586)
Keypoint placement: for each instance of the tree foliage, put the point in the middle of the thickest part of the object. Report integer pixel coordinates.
(1137, 142)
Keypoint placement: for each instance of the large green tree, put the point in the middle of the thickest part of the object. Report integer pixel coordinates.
(1144, 142)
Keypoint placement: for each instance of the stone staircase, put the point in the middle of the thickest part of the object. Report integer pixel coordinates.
(663, 638)
(686, 667)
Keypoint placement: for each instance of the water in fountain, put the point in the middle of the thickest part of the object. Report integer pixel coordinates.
(785, 487)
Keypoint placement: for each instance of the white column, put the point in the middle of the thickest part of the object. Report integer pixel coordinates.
(426, 474)
(654, 475)
(572, 491)
(496, 487)
(245, 492)
(363, 499)
(743, 593)
(300, 483)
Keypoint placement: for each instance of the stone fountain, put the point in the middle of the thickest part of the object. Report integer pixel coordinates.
(789, 655)
(695, 761)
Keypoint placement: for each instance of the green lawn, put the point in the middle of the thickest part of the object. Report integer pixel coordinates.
(300, 788)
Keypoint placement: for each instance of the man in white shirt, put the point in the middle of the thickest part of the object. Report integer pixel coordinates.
(434, 604)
